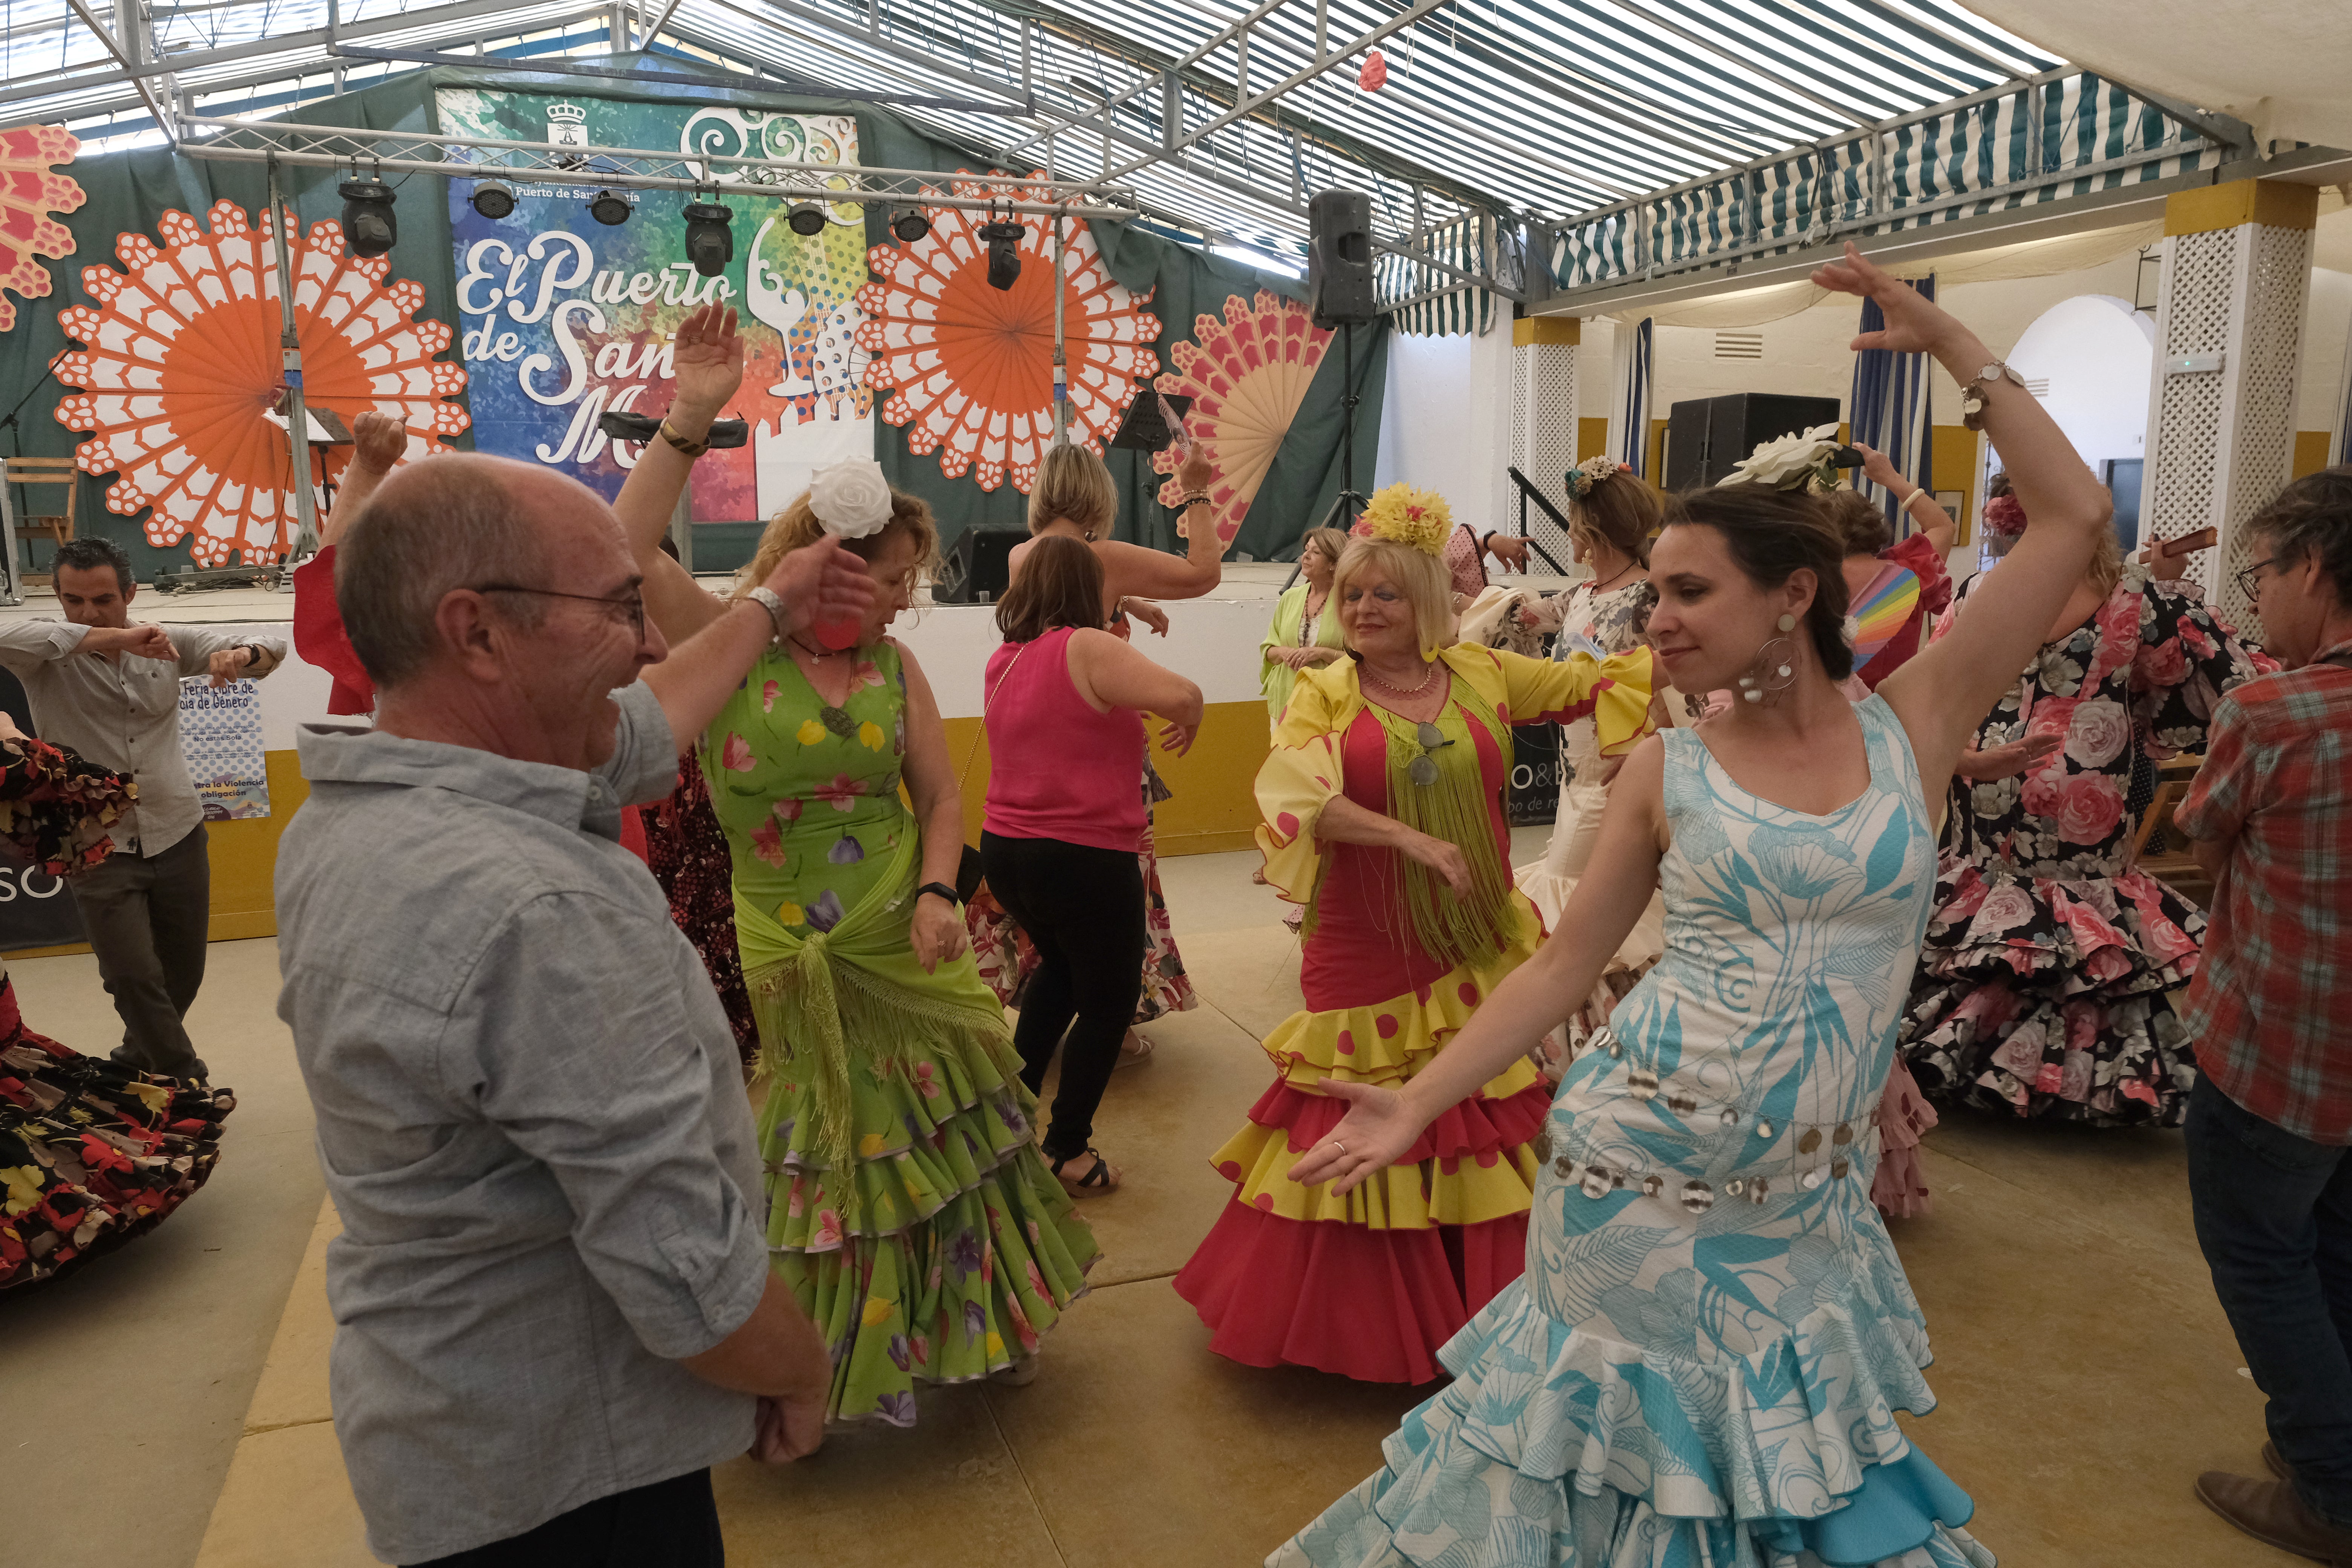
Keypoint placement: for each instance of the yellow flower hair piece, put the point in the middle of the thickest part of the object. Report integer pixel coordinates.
(1408, 516)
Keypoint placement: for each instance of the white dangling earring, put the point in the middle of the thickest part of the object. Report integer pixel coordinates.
(1773, 672)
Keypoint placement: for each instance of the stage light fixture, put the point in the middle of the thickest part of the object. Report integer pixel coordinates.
(493, 200)
(1003, 238)
(910, 225)
(709, 242)
(368, 224)
(807, 220)
(609, 209)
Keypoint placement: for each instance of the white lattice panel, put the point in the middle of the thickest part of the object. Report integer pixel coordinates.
(2279, 270)
(1543, 433)
(2192, 316)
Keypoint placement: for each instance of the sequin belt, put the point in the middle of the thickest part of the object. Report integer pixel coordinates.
(1808, 1154)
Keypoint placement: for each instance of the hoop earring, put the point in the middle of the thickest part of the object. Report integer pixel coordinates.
(1772, 673)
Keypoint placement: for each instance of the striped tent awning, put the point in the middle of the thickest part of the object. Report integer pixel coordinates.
(2056, 136)
(1487, 124)
(1423, 301)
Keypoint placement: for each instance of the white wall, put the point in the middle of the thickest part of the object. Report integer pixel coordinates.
(1444, 419)
(2326, 339)
(2097, 352)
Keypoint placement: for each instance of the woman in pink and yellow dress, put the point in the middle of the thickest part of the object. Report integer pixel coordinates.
(1383, 801)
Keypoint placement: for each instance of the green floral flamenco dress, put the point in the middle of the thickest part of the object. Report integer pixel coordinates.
(909, 1210)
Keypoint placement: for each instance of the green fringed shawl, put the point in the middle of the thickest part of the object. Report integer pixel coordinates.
(1452, 930)
(859, 982)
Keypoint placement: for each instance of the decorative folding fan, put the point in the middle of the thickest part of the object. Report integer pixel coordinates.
(1247, 375)
(1883, 610)
(973, 365)
(182, 361)
(29, 193)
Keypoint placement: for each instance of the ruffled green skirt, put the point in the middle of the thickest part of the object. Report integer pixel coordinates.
(941, 1248)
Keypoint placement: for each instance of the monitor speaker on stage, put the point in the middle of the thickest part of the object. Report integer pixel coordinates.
(1339, 259)
(1706, 436)
(977, 566)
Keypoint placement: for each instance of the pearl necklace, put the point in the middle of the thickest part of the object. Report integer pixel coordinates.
(1428, 675)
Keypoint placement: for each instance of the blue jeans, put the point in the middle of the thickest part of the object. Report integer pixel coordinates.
(2274, 1219)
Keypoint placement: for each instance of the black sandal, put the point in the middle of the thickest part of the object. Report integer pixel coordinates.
(1094, 1183)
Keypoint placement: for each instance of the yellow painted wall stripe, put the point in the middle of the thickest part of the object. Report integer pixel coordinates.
(1529, 329)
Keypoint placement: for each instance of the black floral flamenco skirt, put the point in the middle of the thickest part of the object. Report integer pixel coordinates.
(92, 1153)
(2051, 997)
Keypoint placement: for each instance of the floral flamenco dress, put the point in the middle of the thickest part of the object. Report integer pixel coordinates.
(908, 1208)
(92, 1153)
(2047, 985)
(1370, 1285)
(1701, 1366)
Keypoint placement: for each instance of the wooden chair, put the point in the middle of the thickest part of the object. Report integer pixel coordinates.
(59, 526)
(2160, 849)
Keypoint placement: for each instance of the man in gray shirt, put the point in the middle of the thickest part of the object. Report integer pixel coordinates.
(552, 1296)
(110, 690)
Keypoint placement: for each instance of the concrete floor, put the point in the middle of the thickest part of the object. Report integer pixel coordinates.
(2087, 1371)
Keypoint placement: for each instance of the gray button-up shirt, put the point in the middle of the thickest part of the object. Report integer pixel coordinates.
(532, 1122)
(123, 713)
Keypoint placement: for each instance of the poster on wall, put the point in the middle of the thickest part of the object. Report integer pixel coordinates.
(220, 738)
(563, 318)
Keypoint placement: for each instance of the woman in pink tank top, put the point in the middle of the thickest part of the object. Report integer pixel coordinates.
(1066, 740)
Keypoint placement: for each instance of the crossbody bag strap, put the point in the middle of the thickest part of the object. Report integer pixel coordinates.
(986, 704)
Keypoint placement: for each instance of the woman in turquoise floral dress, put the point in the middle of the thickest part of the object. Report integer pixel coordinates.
(909, 1208)
(1701, 1363)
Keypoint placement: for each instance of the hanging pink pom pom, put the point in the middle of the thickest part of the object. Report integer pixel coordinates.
(1375, 74)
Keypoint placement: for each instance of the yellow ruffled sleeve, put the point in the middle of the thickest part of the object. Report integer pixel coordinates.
(1300, 775)
(1614, 692)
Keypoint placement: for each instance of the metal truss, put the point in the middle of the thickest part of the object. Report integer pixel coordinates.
(1223, 133)
(636, 168)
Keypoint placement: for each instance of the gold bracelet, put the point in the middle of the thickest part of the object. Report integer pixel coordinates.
(691, 448)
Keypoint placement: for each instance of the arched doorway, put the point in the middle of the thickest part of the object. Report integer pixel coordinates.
(2090, 359)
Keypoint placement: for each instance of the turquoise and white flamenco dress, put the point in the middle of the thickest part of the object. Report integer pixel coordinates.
(1701, 1366)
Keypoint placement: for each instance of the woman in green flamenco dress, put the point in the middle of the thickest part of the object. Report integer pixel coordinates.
(909, 1208)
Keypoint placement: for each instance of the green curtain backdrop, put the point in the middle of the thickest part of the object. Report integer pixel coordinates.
(128, 191)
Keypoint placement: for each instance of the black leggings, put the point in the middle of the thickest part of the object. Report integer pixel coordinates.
(1083, 908)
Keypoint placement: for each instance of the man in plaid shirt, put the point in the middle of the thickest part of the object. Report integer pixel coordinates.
(2271, 1117)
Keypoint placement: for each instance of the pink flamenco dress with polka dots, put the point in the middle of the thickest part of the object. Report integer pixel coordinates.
(1370, 1285)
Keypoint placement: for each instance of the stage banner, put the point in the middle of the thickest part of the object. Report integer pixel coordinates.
(220, 739)
(563, 318)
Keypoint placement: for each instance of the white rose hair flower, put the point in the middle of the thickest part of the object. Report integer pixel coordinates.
(851, 498)
(1789, 461)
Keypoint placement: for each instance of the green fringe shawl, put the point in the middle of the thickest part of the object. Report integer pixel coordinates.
(1453, 931)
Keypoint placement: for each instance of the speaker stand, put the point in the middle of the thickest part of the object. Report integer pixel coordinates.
(1349, 501)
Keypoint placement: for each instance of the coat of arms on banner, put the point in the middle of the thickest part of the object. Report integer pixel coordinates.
(567, 125)
(220, 737)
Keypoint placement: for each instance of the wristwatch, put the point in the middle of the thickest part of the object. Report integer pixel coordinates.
(1972, 395)
(942, 890)
(778, 616)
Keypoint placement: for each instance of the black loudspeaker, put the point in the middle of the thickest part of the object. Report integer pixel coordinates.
(1705, 438)
(977, 566)
(1339, 258)
(1685, 457)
